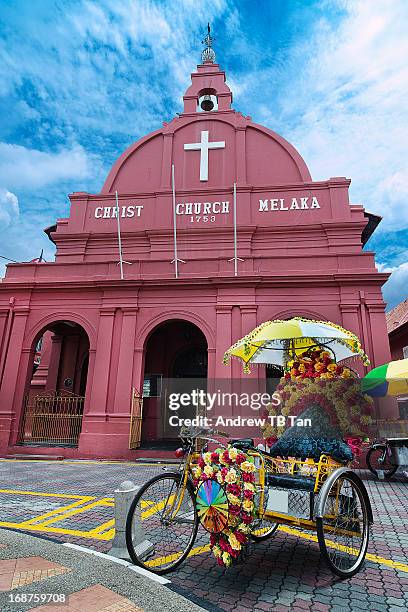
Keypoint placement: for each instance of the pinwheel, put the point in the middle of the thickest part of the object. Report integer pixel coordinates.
(212, 506)
(388, 379)
(274, 342)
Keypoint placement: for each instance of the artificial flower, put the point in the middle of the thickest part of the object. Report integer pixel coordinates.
(234, 489)
(231, 476)
(233, 453)
(241, 537)
(234, 542)
(233, 499)
(217, 551)
(248, 466)
(248, 486)
(226, 559)
(207, 458)
(208, 471)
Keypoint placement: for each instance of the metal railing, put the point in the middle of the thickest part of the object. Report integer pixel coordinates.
(392, 428)
(136, 415)
(52, 418)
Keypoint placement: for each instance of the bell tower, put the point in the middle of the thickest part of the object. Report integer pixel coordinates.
(208, 92)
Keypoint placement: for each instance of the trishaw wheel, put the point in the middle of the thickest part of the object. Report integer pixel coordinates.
(374, 465)
(262, 530)
(162, 524)
(343, 528)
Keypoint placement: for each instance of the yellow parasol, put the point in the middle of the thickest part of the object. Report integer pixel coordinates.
(274, 342)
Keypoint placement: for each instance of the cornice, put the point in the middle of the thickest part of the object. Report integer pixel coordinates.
(295, 186)
(292, 279)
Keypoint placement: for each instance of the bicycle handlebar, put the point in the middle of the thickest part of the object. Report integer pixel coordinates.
(193, 432)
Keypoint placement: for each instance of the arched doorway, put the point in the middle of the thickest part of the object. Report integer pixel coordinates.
(56, 386)
(175, 362)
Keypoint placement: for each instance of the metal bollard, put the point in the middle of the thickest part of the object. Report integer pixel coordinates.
(124, 496)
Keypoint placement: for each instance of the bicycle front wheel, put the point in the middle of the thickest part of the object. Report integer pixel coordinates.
(162, 524)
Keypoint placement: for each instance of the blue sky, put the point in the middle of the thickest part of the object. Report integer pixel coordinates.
(80, 80)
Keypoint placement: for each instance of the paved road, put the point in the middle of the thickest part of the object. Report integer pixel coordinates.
(72, 501)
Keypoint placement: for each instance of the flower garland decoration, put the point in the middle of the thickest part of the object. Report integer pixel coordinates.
(235, 471)
(315, 379)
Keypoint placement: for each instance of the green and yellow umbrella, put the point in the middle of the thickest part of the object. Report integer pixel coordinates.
(276, 341)
(388, 379)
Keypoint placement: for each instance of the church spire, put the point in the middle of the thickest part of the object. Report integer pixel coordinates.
(208, 54)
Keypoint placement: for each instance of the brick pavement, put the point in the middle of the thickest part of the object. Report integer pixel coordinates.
(61, 578)
(285, 572)
(96, 598)
(15, 573)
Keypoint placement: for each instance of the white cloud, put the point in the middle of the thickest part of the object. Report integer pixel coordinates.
(351, 103)
(9, 209)
(29, 168)
(395, 289)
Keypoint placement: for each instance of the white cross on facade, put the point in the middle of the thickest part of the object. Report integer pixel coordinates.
(204, 147)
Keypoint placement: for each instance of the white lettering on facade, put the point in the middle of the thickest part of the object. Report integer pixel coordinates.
(202, 208)
(110, 212)
(277, 204)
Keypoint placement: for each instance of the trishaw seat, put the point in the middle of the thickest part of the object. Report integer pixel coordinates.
(311, 447)
(291, 481)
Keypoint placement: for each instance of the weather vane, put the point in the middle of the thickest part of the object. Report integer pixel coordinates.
(208, 54)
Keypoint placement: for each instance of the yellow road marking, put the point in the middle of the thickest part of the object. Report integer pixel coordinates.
(62, 510)
(60, 514)
(157, 507)
(169, 558)
(40, 494)
(103, 527)
(294, 532)
(74, 512)
(403, 567)
(100, 533)
(74, 532)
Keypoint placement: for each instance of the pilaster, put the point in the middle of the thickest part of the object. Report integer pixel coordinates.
(124, 376)
(99, 393)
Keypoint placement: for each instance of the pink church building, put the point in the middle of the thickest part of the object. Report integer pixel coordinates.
(80, 342)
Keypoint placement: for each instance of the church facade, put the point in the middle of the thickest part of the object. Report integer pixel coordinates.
(222, 228)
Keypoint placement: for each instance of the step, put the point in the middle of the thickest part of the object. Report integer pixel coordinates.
(36, 457)
(156, 460)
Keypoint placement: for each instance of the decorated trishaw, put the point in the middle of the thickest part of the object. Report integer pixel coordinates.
(241, 493)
